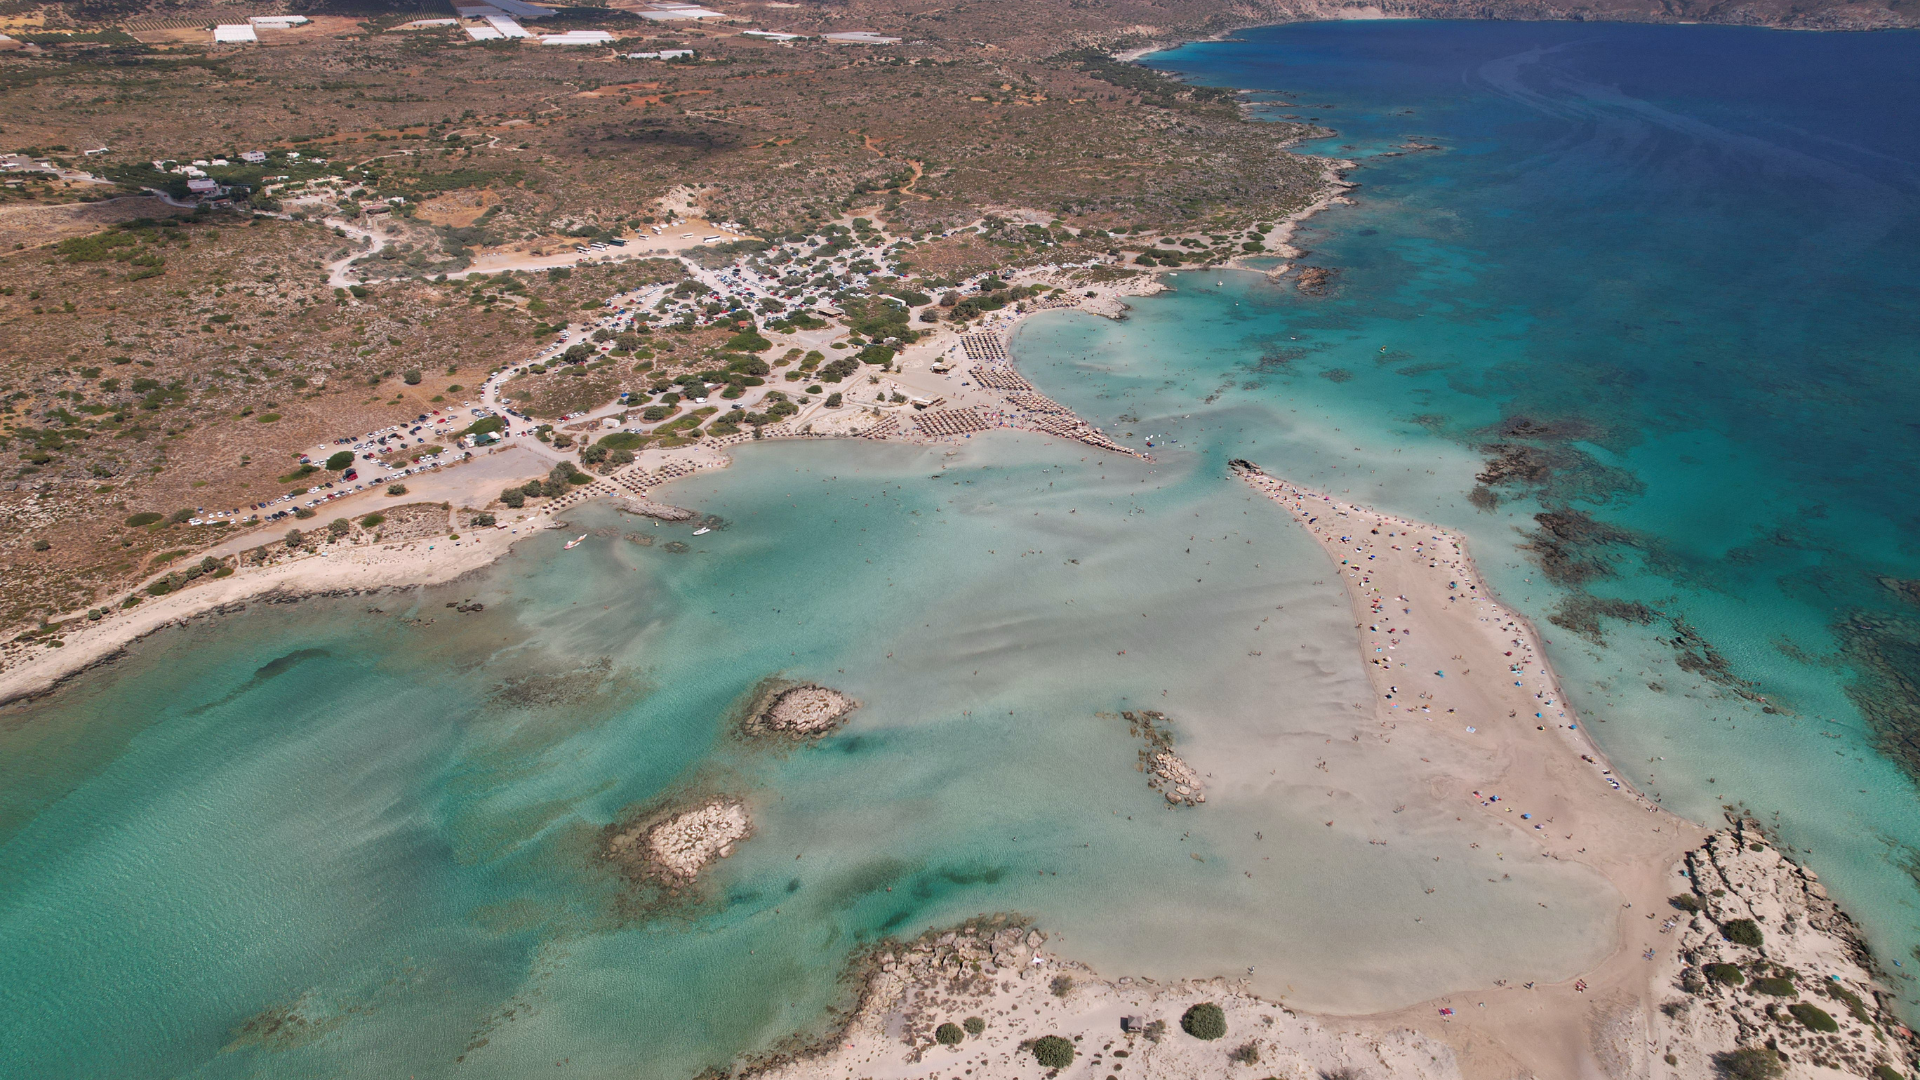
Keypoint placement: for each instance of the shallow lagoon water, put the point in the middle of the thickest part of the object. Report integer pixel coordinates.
(332, 836)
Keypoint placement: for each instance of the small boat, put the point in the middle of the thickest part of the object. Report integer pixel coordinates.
(575, 542)
(702, 531)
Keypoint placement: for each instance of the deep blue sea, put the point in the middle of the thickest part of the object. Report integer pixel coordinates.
(1669, 272)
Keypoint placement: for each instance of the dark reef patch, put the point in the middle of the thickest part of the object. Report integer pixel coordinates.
(1581, 613)
(1884, 652)
(1572, 547)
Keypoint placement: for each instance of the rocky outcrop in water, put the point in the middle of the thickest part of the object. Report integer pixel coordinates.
(1166, 773)
(796, 710)
(677, 846)
(649, 508)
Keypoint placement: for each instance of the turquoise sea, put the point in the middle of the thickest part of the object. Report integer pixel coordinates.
(359, 836)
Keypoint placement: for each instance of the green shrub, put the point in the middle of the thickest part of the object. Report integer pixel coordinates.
(1247, 1054)
(180, 516)
(1742, 932)
(1813, 1016)
(142, 519)
(1204, 1021)
(1685, 902)
(1751, 1063)
(1883, 1071)
(295, 538)
(483, 521)
(974, 1025)
(579, 478)
(949, 1034)
(1053, 1052)
(1726, 974)
(340, 460)
(411, 378)
(515, 498)
(303, 513)
(373, 521)
(1777, 986)
(396, 489)
(1061, 986)
(161, 587)
(339, 526)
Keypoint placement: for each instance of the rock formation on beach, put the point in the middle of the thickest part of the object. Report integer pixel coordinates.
(678, 846)
(1769, 967)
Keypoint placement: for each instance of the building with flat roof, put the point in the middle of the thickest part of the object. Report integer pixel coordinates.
(235, 34)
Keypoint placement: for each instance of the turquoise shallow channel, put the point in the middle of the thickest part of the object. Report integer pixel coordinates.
(359, 837)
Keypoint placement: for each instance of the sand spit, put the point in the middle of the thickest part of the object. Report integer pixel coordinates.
(1006, 981)
(1767, 960)
(1454, 671)
(333, 570)
(678, 846)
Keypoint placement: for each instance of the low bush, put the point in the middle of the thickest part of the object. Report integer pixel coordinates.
(373, 521)
(340, 460)
(339, 526)
(1749, 1063)
(1742, 932)
(1726, 974)
(1813, 1016)
(483, 521)
(1204, 1021)
(974, 1025)
(515, 498)
(1246, 1054)
(1061, 986)
(949, 1034)
(1053, 1052)
(1776, 986)
(142, 519)
(1686, 902)
(396, 489)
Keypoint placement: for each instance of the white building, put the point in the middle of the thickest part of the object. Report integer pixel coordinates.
(275, 22)
(253, 157)
(234, 34)
(505, 24)
(577, 37)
